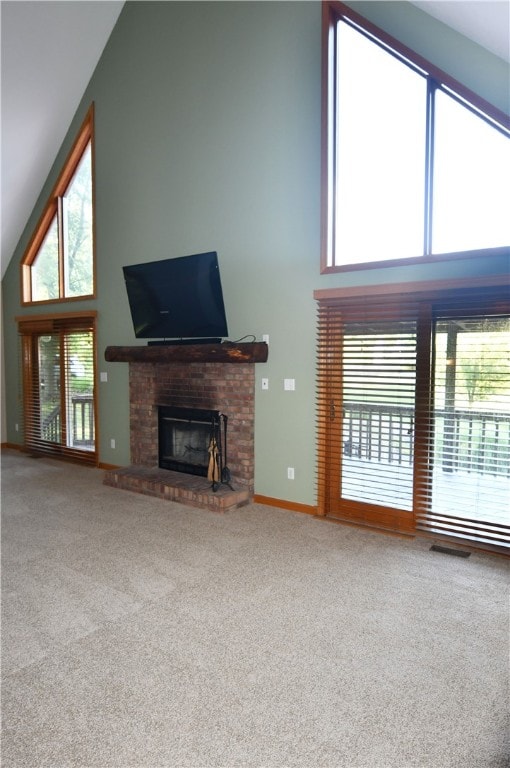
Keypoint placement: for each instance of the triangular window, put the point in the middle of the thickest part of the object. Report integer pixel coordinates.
(471, 173)
(415, 166)
(59, 262)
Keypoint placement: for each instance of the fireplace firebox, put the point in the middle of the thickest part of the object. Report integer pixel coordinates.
(190, 440)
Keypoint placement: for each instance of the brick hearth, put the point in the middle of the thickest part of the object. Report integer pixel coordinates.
(225, 387)
(177, 486)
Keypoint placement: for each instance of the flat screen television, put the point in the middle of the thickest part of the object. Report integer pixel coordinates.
(177, 300)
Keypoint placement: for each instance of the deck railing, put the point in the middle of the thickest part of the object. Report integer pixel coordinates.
(82, 422)
(83, 419)
(50, 427)
(465, 440)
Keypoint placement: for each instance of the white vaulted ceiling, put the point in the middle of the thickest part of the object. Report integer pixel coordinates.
(49, 51)
(486, 22)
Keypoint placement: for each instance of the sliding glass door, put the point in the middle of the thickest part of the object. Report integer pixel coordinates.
(379, 376)
(59, 389)
(367, 394)
(470, 461)
(414, 415)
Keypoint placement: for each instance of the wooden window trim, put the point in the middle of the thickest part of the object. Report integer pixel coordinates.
(84, 137)
(424, 287)
(332, 12)
(53, 321)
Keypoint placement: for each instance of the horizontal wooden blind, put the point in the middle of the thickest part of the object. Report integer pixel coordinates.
(404, 424)
(329, 398)
(365, 409)
(378, 394)
(467, 476)
(58, 363)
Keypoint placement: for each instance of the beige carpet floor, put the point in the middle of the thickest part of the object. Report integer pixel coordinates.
(139, 633)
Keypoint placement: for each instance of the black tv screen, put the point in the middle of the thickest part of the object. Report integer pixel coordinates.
(178, 298)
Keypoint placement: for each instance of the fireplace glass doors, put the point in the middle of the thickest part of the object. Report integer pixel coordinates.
(189, 440)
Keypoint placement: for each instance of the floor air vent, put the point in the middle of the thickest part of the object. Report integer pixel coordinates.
(449, 551)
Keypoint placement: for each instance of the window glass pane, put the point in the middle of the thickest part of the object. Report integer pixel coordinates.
(48, 391)
(471, 477)
(77, 228)
(80, 390)
(380, 170)
(379, 375)
(44, 270)
(471, 175)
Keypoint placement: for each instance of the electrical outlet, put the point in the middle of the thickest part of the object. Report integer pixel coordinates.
(290, 473)
(265, 383)
(265, 337)
(112, 443)
(103, 376)
(16, 427)
(289, 385)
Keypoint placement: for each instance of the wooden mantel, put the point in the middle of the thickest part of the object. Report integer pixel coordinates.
(226, 352)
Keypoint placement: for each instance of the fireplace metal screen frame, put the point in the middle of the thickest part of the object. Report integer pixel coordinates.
(211, 423)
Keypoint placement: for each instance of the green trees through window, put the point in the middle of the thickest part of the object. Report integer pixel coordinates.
(77, 230)
(59, 263)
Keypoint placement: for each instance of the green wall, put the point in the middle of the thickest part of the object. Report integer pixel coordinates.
(207, 121)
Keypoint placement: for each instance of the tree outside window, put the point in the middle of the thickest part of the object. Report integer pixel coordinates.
(59, 263)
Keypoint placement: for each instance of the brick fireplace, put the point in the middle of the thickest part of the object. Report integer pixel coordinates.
(227, 387)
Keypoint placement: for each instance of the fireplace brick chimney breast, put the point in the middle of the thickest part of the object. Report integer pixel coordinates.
(225, 387)
(216, 377)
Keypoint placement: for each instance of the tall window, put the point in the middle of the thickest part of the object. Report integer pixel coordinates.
(59, 262)
(415, 166)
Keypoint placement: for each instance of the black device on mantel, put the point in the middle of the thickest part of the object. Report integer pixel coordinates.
(177, 301)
